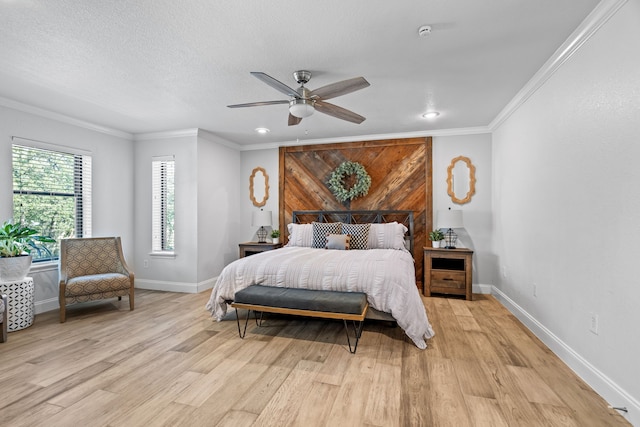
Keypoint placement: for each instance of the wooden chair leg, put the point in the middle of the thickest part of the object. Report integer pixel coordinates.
(131, 300)
(63, 313)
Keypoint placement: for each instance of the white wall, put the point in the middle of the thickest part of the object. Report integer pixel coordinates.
(206, 224)
(180, 271)
(112, 169)
(566, 210)
(220, 190)
(477, 217)
(267, 159)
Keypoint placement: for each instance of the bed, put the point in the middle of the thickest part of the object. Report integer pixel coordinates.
(379, 262)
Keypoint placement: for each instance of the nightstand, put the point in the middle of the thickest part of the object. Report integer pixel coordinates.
(252, 248)
(448, 271)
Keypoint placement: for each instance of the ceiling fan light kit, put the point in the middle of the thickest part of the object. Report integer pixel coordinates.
(304, 102)
(301, 108)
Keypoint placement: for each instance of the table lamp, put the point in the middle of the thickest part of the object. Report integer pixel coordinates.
(261, 219)
(450, 219)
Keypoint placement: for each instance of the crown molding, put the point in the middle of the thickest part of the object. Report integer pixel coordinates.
(587, 28)
(433, 133)
(180, 133)
(47, 114)
(212, 137)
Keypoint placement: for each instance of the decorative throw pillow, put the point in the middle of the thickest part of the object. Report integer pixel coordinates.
(338, 241)
(300, 235)
(321, 230)
(387, 236)
(359, 234)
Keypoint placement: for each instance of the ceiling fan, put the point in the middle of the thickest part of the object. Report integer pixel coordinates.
(304, 102)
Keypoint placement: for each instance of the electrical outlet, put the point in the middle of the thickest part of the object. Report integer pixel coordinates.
(504, 271)
(593, 324)
(146, 263)
(535, 290)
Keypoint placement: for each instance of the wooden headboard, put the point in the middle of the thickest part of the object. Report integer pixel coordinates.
(360, 217)
(400, 171)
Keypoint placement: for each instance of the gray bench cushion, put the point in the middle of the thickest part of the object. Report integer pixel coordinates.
(303, 299)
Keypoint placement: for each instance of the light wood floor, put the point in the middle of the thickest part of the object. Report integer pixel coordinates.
(167, 363)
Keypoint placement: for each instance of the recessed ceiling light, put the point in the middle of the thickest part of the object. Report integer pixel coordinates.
(431, 115)
(262, 130)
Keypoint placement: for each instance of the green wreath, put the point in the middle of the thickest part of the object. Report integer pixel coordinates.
(359, 189)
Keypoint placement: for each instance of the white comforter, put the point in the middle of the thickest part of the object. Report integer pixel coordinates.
(387, 276)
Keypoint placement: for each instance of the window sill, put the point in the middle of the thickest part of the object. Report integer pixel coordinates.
(37, 267)
(167, 255)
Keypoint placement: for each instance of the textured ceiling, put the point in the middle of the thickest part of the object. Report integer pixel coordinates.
(158, 65)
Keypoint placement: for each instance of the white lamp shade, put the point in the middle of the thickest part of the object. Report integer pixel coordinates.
(301, 108)
(261, 218)
(450, 219)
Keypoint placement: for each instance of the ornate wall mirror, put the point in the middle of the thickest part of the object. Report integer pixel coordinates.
(461, 180)
(259, 187)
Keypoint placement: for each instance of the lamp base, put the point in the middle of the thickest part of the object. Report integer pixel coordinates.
(262, 235)
(450, 239)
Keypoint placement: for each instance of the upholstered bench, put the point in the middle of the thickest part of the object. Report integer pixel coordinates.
(304, 302)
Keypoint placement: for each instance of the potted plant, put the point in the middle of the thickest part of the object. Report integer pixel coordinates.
(436, 236)
(16, 243)
(275, 236)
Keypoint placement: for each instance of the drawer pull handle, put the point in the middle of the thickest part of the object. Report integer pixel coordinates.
(447, 278)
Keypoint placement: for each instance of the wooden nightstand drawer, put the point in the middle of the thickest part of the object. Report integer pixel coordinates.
(448, 279)
(448, 271)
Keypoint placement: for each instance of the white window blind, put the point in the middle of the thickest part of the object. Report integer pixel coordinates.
(52, 193)
(163, 209)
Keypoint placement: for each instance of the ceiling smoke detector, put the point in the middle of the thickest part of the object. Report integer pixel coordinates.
(424, 31)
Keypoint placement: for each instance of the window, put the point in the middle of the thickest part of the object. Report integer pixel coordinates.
(163, 209)
(51, 193)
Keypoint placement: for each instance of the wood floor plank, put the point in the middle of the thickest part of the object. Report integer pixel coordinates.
(199, 391)
(287, 401)
(485, 411)
(169, 363)
(237, 419)
(448, 407)
(313, 408)
(348, 407)
(383, 405)
(221, 403)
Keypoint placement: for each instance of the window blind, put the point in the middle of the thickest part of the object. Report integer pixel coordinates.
(52, 193)
(163, 208)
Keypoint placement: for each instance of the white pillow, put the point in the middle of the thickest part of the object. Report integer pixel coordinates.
(300, 235)
(387, 236)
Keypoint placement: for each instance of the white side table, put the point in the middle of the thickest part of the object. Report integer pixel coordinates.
(21, 303)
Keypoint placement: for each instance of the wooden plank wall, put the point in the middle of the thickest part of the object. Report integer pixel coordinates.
(400, 171)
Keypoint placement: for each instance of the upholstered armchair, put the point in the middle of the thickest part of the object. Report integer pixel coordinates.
(4, 309)
(93, 269)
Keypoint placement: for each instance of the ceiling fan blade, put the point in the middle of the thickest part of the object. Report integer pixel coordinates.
(340, 88)
(293, 120)
(338, 112)
(277, 85)
(257, 104)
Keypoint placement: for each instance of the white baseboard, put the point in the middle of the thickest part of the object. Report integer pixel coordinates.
(482, 289)
(46, 305)
(603, 385)
(161, 285)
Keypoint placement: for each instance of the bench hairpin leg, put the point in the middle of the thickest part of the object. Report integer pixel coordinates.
(255, 313)
(357, 331)
(246, 321)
